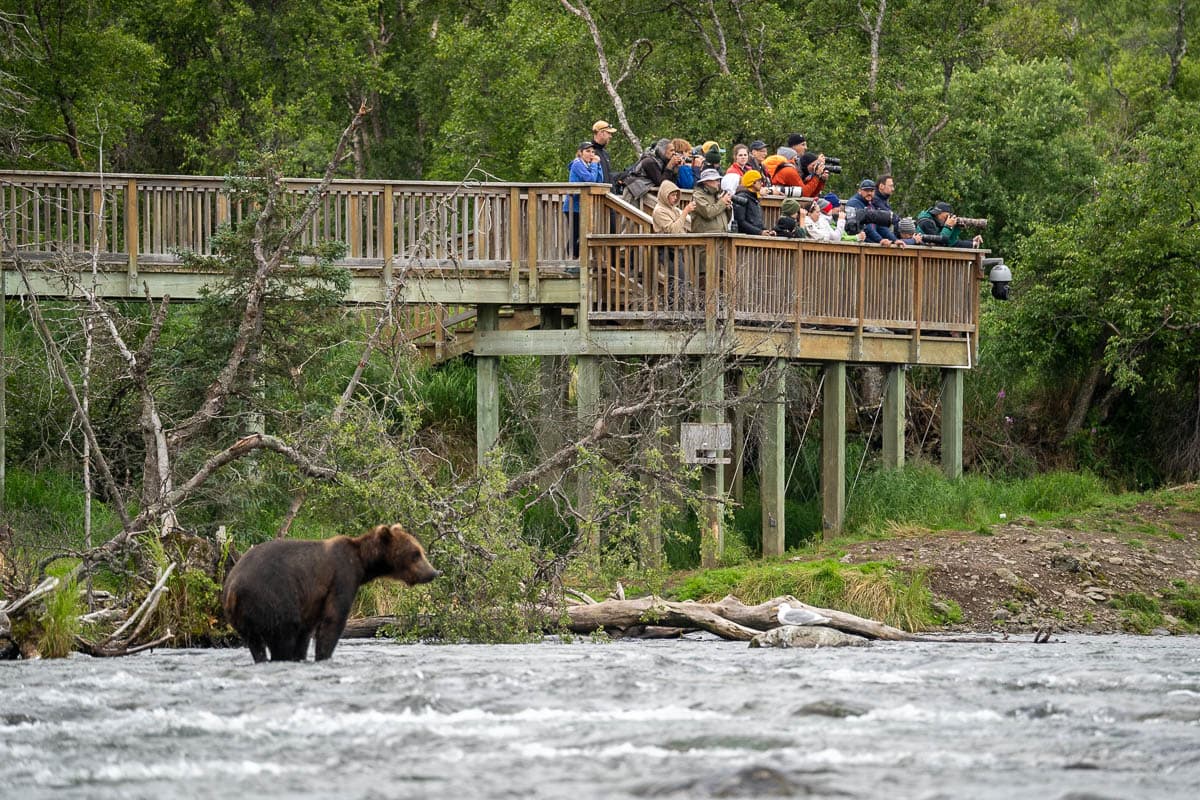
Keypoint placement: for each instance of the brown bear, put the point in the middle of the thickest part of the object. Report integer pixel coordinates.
(282, 592)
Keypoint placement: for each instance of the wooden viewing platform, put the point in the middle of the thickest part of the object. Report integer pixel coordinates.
(467, 251)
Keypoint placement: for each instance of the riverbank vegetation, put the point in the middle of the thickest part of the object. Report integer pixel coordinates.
(1074, 129)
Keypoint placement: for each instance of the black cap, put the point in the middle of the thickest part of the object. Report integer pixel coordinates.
(795, 139)
(758, 144)
(941, 206)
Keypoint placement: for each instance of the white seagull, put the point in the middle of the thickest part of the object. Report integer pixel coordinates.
(799, 616)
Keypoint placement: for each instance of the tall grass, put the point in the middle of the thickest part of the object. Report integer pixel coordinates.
(921, 495)
(61, 621)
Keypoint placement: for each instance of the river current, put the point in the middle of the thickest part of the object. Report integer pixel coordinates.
(1079, 717)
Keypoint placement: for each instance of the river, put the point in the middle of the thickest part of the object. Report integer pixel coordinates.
(1079, 717)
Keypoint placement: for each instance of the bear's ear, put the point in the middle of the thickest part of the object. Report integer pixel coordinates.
(399, 531)
(382, 532)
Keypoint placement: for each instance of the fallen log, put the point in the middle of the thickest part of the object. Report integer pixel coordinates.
(730, 619)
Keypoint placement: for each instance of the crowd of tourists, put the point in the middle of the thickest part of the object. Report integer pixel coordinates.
(726, 198)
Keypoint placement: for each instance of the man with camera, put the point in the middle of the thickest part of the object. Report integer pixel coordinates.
(885, 187)
(939, 226)
(868, 218)
(713, 208)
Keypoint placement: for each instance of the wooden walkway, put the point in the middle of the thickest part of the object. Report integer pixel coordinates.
(464, 257)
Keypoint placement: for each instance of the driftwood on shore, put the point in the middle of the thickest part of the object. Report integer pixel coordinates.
(655, 617)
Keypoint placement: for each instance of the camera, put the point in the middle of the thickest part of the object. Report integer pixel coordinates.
(830, 161)
(999, 275)
(857, 218)
(832, 168)
(972, 222)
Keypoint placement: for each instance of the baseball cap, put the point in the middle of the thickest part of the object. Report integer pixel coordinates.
(758, 144)
(710, 175)
(867, 184)
(602, 125)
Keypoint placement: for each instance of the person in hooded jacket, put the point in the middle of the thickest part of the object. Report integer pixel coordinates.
(747, 211)
(668, 217)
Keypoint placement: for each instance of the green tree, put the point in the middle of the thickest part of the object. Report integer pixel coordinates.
(86, 81)
(1108, 307)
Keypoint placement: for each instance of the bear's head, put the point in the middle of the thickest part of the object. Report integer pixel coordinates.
(401, 555)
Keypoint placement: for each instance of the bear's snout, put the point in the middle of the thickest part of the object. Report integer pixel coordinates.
(427, 573)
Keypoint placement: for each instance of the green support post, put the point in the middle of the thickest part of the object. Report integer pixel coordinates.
(487, 389)
(712, 476)
(833, 450)
(587, 407)
(952, 423)
(772, 472)
(893, 418)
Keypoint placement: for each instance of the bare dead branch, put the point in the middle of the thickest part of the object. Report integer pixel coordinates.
(268, 264)
(581, 10)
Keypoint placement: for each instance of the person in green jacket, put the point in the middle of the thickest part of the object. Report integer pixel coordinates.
(939, 226)
(713, 207)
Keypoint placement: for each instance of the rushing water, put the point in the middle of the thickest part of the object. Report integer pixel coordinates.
(1081, 717)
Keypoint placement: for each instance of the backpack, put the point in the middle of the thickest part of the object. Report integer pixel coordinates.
(770, 164)
(633, 179)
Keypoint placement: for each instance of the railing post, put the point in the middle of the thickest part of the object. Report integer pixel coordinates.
(531, 216)
(514, 242)
(860, 301)
(388, 233)
(131, 233)
(799, 300)
(914, 352)
(99, 233)
(354, 226)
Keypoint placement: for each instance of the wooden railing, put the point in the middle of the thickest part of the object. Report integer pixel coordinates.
(748, 280)
(522, 232)
(474, 225)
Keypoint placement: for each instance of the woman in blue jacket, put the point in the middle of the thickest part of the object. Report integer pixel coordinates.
(585, 168)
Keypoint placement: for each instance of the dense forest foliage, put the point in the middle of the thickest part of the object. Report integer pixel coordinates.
(1074, 127)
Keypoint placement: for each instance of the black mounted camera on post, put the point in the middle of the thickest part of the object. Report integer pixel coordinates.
(999, 275)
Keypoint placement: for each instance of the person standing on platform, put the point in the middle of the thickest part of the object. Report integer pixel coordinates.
(585, 168)
(602, 134)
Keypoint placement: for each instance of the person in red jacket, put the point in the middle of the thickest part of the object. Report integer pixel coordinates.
(813, 174)
(786, 175)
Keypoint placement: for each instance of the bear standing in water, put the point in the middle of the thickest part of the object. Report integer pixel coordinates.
(282, 592)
